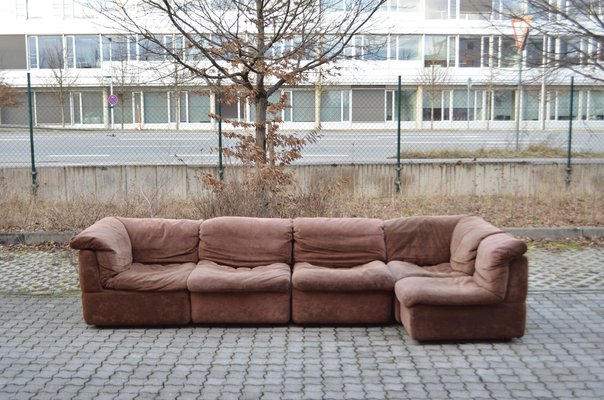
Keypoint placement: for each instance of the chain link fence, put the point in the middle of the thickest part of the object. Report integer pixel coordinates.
(357, 124)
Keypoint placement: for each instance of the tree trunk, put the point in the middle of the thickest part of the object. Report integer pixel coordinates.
(261, 109)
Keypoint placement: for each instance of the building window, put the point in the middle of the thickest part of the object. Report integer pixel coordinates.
(469, 51)
(435, 105)
(508, 52)
(302, 106)
(475, 9)
(194, 107)
(115, 48)
(439, 50)
(156, 107)
(368, 105)
(503, 105)
(437, 9)
(596, 105)
(467, 105)
(534, 51)
(87, 51)
(407, 105)
(50, 52)
(405, 47)
(570, 51)
(375, 47)
(38, 8)
(335, 106)
(531, 104)
(559, 105)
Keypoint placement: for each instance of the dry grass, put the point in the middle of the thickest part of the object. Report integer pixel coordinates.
(535, 150)
(560, 209)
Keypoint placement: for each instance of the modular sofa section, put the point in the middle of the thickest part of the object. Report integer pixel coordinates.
(479, 293)
(133, 272)
(243, 275)
(339, 272)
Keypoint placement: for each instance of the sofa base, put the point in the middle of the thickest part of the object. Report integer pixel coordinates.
(367, 307)
(496, 321)
(240, 308)
(124, 308)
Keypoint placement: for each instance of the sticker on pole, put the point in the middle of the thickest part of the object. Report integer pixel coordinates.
(112, 100)
(521, 28)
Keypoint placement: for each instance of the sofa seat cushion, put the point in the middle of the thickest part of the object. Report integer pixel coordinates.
(402, 269)
(458, 291)
(373, 276)
(152, 277)
(211, 277)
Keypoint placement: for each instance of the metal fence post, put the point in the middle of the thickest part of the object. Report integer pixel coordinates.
(220, 169)
(569, 168)
(398, 136)
(34, 173)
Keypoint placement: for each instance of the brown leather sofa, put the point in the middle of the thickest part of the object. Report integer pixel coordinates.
(443, 278)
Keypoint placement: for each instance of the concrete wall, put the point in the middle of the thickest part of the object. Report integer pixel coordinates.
(179, 182)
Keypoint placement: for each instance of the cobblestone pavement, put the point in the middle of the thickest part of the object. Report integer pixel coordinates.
(48, 352)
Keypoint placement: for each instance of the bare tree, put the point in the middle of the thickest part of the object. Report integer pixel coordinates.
(62, 78)
(247, 49)
(573, 32)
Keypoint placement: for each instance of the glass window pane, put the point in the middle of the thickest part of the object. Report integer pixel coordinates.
(92, 107)
(12, 52)
(156, 107)
(49, 110)
(435, 50)
(408, 47)
(509, 52)
(376, 47)
(32, 44)
(331, 105)
(50, 51)
(474, 9)
(436, 9)
(530, 105)
(88, 52)
(303, 106)
(368, 105)
(503, 105)
(596, 105)
(199, 107)
(469, 51)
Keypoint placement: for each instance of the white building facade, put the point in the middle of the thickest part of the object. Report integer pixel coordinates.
(457, 60)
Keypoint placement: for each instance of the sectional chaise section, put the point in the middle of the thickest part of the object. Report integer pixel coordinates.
(443, 278)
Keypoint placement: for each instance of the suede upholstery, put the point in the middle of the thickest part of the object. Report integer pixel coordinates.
(402, 269)
(152, 277)
(371, 276)
(246, 242)
(163, 241)
(466, 237)
(446, 278)
(109, 238)
(210, 277)
(338, 242)
(420, 240)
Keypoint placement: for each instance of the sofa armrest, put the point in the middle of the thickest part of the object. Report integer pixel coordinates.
(493, 259)
(88, 269)
(109, 239)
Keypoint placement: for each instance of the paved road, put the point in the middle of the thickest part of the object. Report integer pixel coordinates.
(200, 148)
(48, 352)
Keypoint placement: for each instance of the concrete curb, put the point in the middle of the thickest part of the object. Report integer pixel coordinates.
(557, 233)
(34, 238)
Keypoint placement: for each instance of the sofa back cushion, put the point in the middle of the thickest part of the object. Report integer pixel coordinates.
(495, 253)
(338, 242)
(163, 241)
(420, 240)
(467, 235)
(246, 242)
(110, 241)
